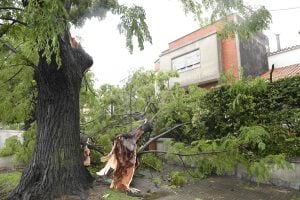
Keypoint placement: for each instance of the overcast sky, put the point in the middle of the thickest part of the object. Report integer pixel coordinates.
(167, 22)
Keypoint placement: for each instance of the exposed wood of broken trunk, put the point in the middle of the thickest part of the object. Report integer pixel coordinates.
(122, 159)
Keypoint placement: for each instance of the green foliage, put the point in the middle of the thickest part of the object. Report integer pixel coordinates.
(177, 178)
(151, 161)
(24, 153)
(253, 19)
(17, 92)
(157, 181)
(237, 122)
(228, 125)
(217, 156)
(262, 168)
(253, 139)
(116, 195)
(179, 106)
(31, 29)
(133, 23)
(251, 102)
(12, 145)
(111, 110)
(8, 181)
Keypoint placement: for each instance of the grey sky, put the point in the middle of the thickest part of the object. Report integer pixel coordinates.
(167, 22)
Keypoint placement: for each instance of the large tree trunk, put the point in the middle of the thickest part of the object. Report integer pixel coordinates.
(56, 167)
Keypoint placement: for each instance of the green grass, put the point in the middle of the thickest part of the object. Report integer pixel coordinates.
(8, 181)
(109, 194)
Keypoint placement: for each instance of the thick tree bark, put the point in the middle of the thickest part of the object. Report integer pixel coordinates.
(56, 167)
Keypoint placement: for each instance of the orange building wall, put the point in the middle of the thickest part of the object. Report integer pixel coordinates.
(230, 56)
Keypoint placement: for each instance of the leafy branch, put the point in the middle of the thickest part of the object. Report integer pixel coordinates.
(14, 20)
(159, 136)
(13, 76)
(13, 49)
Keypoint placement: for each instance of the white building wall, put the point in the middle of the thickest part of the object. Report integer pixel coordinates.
(208, 69)
(284, 59)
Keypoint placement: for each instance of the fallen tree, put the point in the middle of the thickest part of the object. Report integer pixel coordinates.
(123, 156)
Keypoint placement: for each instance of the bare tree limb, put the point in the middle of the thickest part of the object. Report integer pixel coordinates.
(159, 136)
(14, 20)
(96, 148)
(10, 8)
(184, 155)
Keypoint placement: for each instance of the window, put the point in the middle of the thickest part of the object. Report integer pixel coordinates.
(186, 61)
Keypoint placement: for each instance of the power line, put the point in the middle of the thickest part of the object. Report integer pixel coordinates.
(282, 9)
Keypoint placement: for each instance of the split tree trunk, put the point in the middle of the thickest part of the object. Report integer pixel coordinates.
(56, 167)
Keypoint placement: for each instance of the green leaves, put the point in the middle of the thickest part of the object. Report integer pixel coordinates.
(133, 23)
(251, 21)
(263, 167)
(17, 93)
(12, 144)
(253, 137)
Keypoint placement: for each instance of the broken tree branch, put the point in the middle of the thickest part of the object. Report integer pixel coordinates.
(95, 148)
(159, 136)
(10, 8)
(14, 20)
(184, 155)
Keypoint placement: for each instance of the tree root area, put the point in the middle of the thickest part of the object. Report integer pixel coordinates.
(36, 186)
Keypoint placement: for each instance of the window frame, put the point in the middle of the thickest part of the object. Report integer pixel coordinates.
(188, 67)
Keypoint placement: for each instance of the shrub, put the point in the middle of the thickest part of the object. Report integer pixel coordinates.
(273, 106)
(12, 145)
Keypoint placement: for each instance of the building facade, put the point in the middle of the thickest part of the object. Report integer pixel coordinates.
(284, 57)
(201, 57)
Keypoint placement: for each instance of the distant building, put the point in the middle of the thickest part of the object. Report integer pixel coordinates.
(284, 57)
(282, 72)
(286, 62)
(201, 57)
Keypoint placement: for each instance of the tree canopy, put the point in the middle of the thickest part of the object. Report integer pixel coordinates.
(29, 27)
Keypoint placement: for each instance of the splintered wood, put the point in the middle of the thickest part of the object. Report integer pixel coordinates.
(122, 159)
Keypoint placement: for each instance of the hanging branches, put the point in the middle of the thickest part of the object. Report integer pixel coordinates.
(13, 76)
(14, 50)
